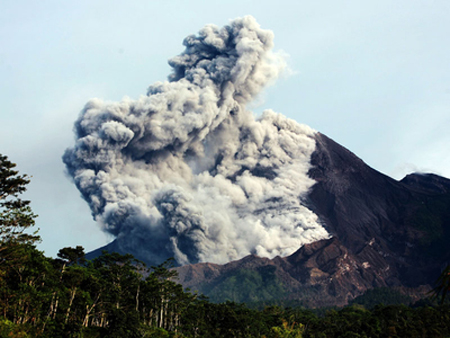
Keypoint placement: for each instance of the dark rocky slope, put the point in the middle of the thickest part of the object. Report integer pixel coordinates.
(385, 233)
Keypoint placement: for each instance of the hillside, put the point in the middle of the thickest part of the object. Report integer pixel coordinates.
(385, 233)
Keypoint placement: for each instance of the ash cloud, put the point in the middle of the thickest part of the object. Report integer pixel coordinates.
(187, 171)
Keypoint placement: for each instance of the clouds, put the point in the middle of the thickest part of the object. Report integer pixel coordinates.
(187, 171)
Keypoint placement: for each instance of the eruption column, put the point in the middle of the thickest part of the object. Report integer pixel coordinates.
(187, 171)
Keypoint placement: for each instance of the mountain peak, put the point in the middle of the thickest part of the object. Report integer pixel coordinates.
(384, 233)
(427, 182)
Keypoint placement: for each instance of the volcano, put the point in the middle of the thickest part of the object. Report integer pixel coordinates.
(384, 233)
(189, 171)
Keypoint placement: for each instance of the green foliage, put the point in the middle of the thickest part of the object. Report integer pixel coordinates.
(287, 331)
(432, 218)
(248, 286)
(107, 297)
(15, 214)
(386, 296)
(8, 329)
(110, 297)
(154, 332)
(443, 285)
(72, 255)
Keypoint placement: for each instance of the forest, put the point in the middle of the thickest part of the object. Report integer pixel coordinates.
(118, 296)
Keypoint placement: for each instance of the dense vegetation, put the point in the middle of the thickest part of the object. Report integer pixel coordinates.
(117, 296)
(385, 295)
(247, 286)
(432, 218)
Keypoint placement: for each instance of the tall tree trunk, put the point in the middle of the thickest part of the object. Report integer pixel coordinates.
(150, 317)
(86, 317)
(89, 310)
(137, 298)
(55, 310)
(72, 297)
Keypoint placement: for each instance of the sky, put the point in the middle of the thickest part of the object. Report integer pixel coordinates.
(372, 75)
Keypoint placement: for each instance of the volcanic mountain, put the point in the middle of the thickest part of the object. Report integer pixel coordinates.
(385, 233)
(189, 171)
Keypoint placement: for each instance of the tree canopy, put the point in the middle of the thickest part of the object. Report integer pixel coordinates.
(16, 215)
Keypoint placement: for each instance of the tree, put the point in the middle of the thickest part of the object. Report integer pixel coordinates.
(15, 214)
(288, 331)
(443, 285)
(72, 255)
(23, 269)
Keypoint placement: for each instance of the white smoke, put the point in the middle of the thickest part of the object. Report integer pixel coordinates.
(187, 171)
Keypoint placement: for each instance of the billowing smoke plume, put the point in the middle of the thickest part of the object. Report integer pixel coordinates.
(187, 171)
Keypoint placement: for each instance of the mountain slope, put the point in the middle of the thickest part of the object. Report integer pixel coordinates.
(385, 233)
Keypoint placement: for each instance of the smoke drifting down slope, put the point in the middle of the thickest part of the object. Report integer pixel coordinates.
(187, 171)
